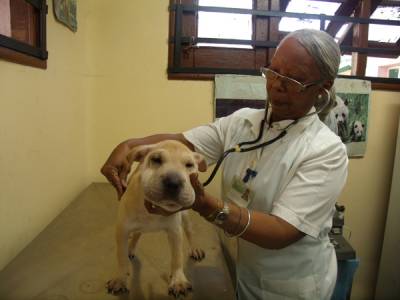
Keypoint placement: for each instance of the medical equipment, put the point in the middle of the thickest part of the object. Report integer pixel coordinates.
(342, 247)
(238, 147)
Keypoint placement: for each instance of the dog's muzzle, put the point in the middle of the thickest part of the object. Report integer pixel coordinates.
(172, 184)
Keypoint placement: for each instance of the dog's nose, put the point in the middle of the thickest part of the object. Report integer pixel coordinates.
(172, 183)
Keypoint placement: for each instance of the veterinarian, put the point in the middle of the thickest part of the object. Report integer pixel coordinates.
(278, 200)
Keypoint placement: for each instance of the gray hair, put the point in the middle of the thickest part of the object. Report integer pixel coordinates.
(326, 54)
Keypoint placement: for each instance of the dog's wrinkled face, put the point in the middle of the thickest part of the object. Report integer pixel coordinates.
(165, 168)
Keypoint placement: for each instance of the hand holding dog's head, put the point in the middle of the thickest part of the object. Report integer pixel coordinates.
(165, 169)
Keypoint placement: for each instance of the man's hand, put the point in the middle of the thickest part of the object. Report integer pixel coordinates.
(117, 168)
(198, 190)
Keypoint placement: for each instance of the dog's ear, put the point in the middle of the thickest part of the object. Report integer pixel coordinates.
(139, 153)
(200, 161)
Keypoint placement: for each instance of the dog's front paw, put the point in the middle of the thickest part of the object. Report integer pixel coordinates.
(179, 287)
(197, 254)
(116, 286)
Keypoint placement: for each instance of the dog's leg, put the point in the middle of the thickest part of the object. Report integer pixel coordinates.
(195, 253)
(132, 244)
(119, 284)
(178, 284)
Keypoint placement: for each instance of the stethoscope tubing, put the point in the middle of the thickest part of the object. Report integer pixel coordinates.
(238, 148)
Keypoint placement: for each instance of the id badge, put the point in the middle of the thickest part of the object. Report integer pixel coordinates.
(239, 192)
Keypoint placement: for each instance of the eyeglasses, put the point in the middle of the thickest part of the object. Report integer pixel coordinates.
(288, 83)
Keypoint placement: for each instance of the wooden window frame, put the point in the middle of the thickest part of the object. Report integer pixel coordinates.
(209, 61)
(186, 61)
(20, 52)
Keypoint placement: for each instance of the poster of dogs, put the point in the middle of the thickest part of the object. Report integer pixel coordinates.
(348, 119)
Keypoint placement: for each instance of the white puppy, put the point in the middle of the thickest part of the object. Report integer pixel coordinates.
(161, 179)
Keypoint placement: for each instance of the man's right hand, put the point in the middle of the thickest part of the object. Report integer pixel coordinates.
(117, 168)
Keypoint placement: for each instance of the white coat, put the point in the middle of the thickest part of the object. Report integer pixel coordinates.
(299, 179)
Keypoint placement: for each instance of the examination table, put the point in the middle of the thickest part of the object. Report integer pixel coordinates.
(74, 257)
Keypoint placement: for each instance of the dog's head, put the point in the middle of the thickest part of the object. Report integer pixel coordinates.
(164, 173)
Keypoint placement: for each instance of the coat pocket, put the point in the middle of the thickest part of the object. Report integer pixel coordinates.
(303, 288)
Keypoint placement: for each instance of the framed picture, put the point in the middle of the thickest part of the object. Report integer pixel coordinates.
(65, 12)
(351, 114)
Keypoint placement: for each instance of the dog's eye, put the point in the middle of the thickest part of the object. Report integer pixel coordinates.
(343, 115)
(189, 165)
(355, 126)
(336, 115)
(157, 160)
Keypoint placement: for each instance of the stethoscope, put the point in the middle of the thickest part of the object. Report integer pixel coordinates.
(238, 147)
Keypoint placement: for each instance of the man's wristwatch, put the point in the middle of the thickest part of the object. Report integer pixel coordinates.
(220, 216)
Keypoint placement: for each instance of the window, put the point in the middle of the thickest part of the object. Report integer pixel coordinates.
(308, 7)
(200, 47)
(23, 31)
(225, 25)
(385, 33)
